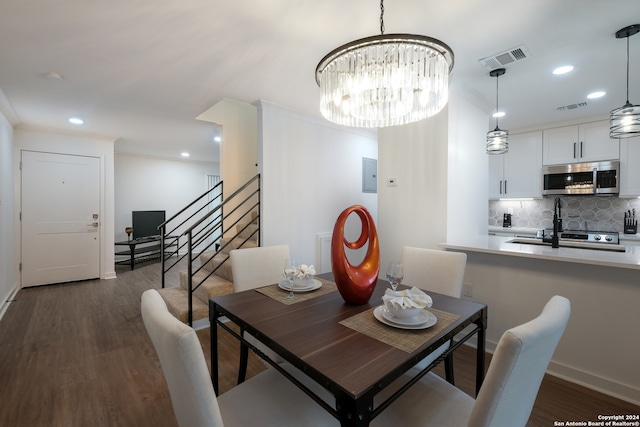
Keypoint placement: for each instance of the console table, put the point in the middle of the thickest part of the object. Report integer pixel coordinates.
(144, 248)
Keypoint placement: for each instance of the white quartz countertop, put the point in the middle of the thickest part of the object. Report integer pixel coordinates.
(499, 245)
(532, 231)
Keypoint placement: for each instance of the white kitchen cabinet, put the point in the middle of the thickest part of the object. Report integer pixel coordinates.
(517, 173)
(629, 167)
(586, 142)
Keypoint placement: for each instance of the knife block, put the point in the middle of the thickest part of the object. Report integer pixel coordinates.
(631, 229)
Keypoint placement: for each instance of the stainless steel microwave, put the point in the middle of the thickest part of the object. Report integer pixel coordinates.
(582, 178)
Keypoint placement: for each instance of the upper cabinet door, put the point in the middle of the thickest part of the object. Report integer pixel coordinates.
(560, 145)
(586, 142)
(595, 144)
(523, 166)
(629, 170)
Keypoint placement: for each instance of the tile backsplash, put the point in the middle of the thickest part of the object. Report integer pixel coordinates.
(595, 213)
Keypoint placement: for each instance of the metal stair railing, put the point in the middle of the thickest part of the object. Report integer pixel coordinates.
(205, 222)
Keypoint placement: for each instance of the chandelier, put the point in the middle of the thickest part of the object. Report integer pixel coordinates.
(497, 139)
(625, 121)
(384, 80)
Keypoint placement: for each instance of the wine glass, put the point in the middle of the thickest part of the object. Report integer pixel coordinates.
(395, 274)
(291, 268)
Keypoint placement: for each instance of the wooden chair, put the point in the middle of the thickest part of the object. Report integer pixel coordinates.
(510, 387)
(437, 271)
(268, 399)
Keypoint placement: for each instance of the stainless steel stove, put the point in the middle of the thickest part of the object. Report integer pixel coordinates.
(610, 237)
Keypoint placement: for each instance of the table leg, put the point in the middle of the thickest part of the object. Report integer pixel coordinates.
(354, 413)
(244, 359)
(213, 331)
(448, 368)
(481, 345)
(132, 248)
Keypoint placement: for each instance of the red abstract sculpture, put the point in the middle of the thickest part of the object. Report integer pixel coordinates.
(355, 283)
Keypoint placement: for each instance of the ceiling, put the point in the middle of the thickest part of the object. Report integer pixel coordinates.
(141, 71)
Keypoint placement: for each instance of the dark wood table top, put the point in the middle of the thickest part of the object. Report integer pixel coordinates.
(308, 335)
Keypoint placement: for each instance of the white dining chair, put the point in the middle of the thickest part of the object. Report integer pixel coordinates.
(434, 270)
(255, 267)
(509, 389)
(267, 399)
(437, 271)
(252, 268)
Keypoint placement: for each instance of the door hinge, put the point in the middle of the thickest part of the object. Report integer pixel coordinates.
(20, 217)
(20, 267)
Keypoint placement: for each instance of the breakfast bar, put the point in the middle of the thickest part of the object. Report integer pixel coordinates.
(599, 347)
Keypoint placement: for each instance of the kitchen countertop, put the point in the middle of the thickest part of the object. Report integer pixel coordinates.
(498, 245)
(532, 231)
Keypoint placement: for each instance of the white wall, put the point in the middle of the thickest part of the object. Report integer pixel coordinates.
(414, 211)
(311, 171)
(238, 152)
(8, 269)
(468, 168)
(239, 148)
(147, 183)
(440, 168)
(49, 141)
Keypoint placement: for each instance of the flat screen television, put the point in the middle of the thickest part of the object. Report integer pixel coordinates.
(145, 223)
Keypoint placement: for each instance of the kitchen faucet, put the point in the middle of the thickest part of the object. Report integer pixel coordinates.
(557, 223)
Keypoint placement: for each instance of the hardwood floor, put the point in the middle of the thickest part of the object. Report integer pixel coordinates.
(77, 354)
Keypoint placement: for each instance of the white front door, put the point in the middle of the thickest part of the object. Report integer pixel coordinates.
(60, 218)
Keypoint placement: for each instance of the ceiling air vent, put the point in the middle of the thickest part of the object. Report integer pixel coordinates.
(506, 57)
(572, 106)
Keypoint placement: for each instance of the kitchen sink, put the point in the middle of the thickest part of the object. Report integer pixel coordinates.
(570, 244)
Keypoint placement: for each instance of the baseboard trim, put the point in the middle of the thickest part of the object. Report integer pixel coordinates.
(581, 378)
(594, 382)
(5, 304)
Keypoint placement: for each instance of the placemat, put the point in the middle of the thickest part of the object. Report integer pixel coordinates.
(403, 339)
(274, 291)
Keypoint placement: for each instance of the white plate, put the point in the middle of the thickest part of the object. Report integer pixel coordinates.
(418, 319)
(378, 312)
(296, 288)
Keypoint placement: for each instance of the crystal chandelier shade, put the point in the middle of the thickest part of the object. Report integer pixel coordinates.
(384, 80)
(625, 121)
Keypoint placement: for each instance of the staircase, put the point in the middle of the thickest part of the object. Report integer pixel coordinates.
(209, 228)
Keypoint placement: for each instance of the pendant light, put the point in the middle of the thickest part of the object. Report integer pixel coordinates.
(497, 138)
(384, 80)
(625, 121)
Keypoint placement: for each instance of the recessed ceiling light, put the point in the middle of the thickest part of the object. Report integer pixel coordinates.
(184, 154)
(76, 121)
(217, 139)
(563, 70)
(53, 76)
(595, 95)
(499, 114)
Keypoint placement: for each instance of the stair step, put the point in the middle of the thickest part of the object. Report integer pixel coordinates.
(178, 304)
(213, 286)
(221, 261)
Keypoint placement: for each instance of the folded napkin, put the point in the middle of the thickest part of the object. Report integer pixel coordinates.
(306, 271)
(411, 298)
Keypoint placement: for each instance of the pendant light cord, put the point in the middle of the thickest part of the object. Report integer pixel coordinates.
(381, 16)
(497, 108)
(627, 69)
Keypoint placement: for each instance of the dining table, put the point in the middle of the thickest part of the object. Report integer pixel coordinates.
(350, 352)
